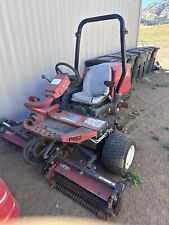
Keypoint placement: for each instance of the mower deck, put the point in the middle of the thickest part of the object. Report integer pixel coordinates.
(14, 132)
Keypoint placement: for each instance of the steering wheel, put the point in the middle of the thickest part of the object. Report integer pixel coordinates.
(73, 78)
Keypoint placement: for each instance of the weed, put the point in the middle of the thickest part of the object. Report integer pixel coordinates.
(133, 179)
(134, 114)
(134, 87)
(166, 128)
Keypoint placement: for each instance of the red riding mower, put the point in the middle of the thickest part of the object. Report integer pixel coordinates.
(73, 130)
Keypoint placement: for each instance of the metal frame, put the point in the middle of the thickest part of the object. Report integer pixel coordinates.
(122, 41)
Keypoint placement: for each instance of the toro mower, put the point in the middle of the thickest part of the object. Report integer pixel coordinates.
(73, 129)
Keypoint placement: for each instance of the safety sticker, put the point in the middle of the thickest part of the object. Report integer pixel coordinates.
(94, 122)
(56, 81)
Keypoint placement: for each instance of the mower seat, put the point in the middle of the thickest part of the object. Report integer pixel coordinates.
(94, 90)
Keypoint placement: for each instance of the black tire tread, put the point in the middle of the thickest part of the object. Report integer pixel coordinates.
(26, 150)
(114, 152)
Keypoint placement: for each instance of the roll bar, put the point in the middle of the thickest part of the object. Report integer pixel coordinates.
(122, 41)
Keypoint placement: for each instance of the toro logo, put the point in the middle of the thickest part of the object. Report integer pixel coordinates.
(74, 139)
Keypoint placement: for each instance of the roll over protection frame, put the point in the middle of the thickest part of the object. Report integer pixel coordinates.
(123, 31)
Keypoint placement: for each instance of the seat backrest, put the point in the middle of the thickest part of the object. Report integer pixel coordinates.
(93, 84)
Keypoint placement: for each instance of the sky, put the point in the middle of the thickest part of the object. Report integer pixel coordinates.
(148, 2)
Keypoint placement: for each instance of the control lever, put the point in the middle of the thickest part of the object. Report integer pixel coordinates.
(45, 78)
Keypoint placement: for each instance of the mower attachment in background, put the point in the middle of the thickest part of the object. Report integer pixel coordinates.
(14, 132)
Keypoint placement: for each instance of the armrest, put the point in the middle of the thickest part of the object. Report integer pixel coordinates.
(109, 84)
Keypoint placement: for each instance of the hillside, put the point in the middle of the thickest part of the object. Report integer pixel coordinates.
(156, 13)
(157, 36)
(154, 34)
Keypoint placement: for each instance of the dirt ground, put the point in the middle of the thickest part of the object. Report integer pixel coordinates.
(147, 203)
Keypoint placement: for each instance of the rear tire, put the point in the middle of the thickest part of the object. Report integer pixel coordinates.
(118, 153)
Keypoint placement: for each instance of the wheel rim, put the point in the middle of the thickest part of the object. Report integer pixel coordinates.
(130, 157)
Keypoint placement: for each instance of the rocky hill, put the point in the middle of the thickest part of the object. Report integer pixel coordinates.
(156, 13)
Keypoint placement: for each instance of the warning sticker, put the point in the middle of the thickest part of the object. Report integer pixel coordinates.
(56, 81)
(94, 122)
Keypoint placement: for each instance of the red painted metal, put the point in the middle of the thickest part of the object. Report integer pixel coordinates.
(57, 87)
(46, 111)
(55, 90)
(8, 207)
(32, 103)
(81, 127)
(42, 131)
(13, 138)
(116, 74)
(77, 135)
(88, 183)
(79, 122)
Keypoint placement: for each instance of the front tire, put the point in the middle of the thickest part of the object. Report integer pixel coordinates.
(118, 153)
